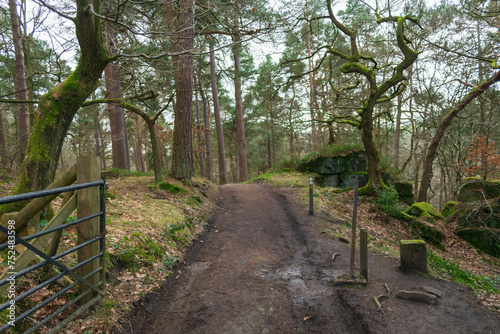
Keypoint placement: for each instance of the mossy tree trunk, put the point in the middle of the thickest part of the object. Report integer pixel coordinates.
(356, 63)
(57, 107)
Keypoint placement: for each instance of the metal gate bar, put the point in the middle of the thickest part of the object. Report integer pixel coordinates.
(99, 287)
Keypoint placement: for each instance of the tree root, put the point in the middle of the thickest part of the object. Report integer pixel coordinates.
(334, 255)
(378, 300)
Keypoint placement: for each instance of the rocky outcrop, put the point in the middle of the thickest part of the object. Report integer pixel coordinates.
(478, 214)
(338, 171)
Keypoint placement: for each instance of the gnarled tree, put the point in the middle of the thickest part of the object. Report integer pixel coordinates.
(357, 63)
(59, 105)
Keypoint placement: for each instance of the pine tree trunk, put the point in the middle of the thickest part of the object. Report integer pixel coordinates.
(218, 122)
(240, 122)
(183, 39)
(207, 132)
(23, 130)
(200, 137)
(312, 96)
(119, 140)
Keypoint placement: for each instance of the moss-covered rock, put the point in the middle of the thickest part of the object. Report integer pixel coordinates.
(480, 216)
(320, 180)
(426, 229)
(419, 209)
(337, 161)
(450, 208)
(347, 179)
(405, 192)
(171, 188)
(475, 190)
(483, 239)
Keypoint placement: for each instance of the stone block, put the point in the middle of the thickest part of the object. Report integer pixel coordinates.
(413, 255)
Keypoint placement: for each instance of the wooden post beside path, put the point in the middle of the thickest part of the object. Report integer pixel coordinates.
(88, 170)
(311, 195)
(363, 253)
(353, 232)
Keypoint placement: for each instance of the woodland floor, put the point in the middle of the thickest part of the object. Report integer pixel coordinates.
(264, 266)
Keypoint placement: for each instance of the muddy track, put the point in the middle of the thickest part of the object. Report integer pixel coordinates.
(262, 267)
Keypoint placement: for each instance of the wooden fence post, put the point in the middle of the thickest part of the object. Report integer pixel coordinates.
(311, 195)
(88, 170)
(363, 253)
(353, 231)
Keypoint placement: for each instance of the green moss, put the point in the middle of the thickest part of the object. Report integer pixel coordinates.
(320, 180)
(406, 242)
(428, 232)
(475, 190)
(419, 209)
(483, 239)
(450, 208)
(172, 188)
(405, 191)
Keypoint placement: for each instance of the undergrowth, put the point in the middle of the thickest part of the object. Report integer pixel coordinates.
(451, 269)
(117, 172)
(388, 201)
(333, 151)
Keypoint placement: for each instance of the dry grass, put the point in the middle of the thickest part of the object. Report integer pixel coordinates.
(148, 231)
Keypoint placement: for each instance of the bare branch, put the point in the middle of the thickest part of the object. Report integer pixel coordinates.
(55, 10)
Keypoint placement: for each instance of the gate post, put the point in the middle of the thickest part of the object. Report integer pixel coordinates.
(88, 170)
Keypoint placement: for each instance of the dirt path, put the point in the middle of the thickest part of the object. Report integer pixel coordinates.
(262, 267)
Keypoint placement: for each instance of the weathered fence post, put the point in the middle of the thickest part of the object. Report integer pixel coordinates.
(88, 170)
(311, 206)
(363, 253)
(353, 232)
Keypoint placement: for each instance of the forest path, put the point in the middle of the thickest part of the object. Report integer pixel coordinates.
(263, 267)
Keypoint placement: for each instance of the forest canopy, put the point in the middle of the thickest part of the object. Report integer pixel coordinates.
(160, 85)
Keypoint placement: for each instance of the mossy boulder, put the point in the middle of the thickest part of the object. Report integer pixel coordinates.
(450, 208)
(422, 209)
(320, 180)
(172, 188)
(348, 179)
(405, 192)
(483, 239)
(480, 216)
(338, 170)
(476, 190)
(425, 227)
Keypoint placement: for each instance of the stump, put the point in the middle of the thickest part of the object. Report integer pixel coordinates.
(413, 255)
